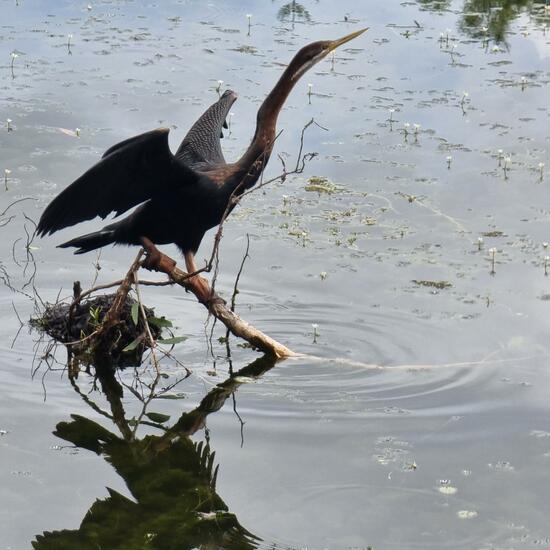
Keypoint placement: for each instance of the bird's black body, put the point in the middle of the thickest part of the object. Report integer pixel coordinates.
(178, 197)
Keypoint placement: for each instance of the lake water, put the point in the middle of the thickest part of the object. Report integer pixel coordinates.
(419, 283)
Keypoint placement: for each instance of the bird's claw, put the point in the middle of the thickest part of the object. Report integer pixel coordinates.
(154, 259)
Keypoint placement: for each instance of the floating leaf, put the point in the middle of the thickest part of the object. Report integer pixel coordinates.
(135, 312)
(159, 418)
(173, 340)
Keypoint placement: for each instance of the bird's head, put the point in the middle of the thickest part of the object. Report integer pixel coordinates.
(311, 54)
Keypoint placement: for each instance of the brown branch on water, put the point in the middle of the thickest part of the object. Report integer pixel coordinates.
(215, 305)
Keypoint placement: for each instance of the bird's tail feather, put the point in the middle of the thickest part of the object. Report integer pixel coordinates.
(91, 241)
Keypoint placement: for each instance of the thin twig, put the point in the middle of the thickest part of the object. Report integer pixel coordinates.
(152, 341)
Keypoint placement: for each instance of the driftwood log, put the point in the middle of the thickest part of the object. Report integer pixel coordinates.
(158, 261)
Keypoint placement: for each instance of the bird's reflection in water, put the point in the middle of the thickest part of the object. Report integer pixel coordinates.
(171, 478)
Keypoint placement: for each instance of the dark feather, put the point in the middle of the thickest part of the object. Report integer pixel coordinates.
(129, 173)
(202, 145)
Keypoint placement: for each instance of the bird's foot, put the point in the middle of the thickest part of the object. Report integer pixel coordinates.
(155, 260)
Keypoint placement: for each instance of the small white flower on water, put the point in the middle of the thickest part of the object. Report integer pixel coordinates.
(391, 110)
(523, 80)
(69, 36)
(77, 132)
(465, 94)
(89, 7)
(500, 152)
(314, 326)
(547, 258)
(545, 245)
(8, 120)
(480, 240)
(466, 514)
(495, 49)
(416, 127)
(323, 275)
(7, 172)
(14, 55)
(220, 82)
(249, 16)
(406, 125)
(507, 160)
(309, 86)
(441, 35)
(493, 251)
(449, 158)
(484, 29)
(541, 164)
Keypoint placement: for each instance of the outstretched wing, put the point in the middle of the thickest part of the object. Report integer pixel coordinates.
(202, 143)
(129, 173)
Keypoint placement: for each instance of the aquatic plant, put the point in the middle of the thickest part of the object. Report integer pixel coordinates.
(14, 56)
(315, 327)
(493, 253)
(7, 172)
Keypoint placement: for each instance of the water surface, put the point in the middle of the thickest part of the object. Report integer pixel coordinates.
(426, 423)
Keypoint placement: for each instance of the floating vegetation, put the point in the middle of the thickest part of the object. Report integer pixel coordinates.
(493, 234)
(440, 285)
(321, 184)
(246, 49)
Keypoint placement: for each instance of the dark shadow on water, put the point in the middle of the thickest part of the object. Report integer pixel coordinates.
(171, 478)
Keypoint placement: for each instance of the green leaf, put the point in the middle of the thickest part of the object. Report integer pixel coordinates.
(173, 340)
(159, 418)
(133, 345)
(160, 322)
(135, 312)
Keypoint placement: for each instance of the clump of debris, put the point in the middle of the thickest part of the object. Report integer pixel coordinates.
(80, 327)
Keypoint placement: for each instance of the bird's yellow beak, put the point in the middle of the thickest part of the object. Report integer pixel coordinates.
(335, 43)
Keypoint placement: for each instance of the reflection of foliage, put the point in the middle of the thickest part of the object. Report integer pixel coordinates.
(494, 15)
(293, 10)
(171, 478)
(490, 19)
(435, 5)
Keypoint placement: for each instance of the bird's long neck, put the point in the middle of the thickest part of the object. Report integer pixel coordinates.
(253, 161)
